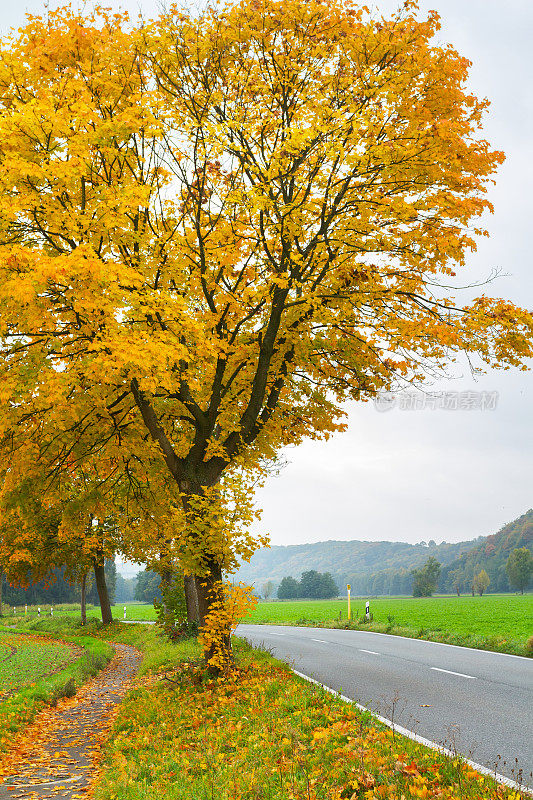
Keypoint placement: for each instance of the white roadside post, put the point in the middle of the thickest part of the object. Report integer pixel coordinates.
(51, 611)
(38, 611)
(25, 609)
(14, 610)
(367, 611)
(124, 612)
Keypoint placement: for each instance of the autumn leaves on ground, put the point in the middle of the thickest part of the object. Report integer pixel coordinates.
(180, 733)
(58, 753)
(215, 228)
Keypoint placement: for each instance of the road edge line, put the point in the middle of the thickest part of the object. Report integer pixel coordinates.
(420, 739)
(394, 635)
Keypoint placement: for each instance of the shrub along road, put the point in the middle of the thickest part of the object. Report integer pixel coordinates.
(475, 702)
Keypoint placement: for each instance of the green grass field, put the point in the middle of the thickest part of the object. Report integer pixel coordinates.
(25, 659)
(503, 622)
(509, 615)
(37, 668)
(135, 611)
(499, 622)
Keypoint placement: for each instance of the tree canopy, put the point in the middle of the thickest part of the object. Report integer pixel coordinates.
(425, 578)
(312, 584)
(214, 229)
(519, 567)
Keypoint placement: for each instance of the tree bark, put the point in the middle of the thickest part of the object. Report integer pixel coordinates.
(191, 598)
(84, 599)
(101, 587)
(207, 593)
(1, 587)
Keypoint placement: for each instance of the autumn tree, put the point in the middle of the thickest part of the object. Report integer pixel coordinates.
(45, 525)
(267, 589)
(216, 228)
(481, 582)
(457, 581)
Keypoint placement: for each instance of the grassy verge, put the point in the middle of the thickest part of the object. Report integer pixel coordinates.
(495, 643)
(263, 734)
(17, 711)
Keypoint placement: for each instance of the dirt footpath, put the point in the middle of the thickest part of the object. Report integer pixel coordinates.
(56, 757)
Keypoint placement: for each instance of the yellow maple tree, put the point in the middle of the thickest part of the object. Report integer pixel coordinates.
(215, 228)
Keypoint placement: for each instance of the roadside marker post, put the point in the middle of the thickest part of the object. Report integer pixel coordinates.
(367, 610)
(124, 612)
(25, 609)
(51, 611)
(349, 606)
(14, 610)
(39, 611)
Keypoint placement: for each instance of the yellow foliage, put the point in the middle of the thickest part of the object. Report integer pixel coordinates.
(229, 604)
(214, 230)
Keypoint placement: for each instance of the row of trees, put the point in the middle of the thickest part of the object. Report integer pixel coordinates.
(195, 273)
(57, 589)
(312, 584)
(519, 568)
(453, 579)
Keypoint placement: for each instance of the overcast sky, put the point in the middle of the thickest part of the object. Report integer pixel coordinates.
(413, 475)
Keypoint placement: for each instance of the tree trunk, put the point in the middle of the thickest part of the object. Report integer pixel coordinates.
(101, 587)
(1, 587)
(84, 599)
(207, 585)
(166, 580)
(191, 598)
(206, 592)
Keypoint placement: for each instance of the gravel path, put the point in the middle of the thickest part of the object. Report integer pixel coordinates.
(56, 757)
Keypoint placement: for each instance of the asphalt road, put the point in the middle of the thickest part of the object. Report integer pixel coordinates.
(475, 702)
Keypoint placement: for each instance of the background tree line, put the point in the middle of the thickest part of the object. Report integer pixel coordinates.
(313, 585)
(58, 589)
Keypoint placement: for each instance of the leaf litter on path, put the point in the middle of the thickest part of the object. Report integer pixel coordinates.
(56, 757)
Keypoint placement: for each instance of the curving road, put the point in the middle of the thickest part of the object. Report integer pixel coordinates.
(475, 702)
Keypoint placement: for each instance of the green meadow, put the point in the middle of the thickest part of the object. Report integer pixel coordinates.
(500, 622)
(495, 621)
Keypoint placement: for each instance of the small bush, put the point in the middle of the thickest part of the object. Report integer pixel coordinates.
(529, 646)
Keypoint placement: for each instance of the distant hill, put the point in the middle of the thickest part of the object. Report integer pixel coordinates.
(370, 567)
(491, 555)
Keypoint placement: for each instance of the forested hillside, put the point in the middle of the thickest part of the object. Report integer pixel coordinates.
(380, 568)
(370, 567)
(491, 555)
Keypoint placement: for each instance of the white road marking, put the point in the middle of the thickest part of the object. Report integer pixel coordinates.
(450, 672)
(372, 652)
(323, 641)
(271, 633)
